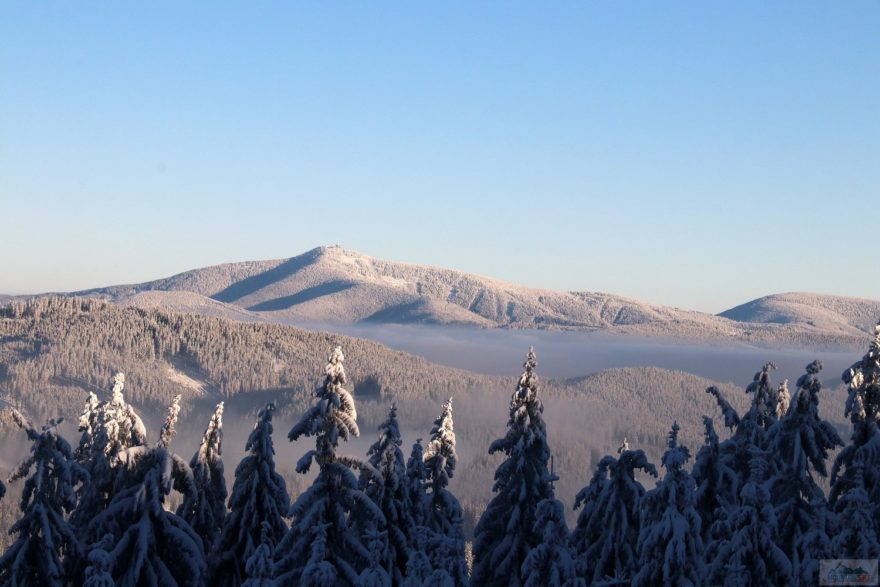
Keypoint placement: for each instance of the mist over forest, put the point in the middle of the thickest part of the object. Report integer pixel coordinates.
(601, 394)
(567, 354)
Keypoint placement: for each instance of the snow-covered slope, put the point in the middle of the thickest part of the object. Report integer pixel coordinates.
(331, 284)
(336, 285)
(187, 302)
(833, 313)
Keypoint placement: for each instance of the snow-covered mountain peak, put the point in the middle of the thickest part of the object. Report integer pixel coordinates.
(334, 284)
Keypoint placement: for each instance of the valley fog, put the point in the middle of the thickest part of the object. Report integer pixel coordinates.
(565, 354)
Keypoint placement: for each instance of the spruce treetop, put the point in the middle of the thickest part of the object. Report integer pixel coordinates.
(325, 542)
(118, 386)
(205, 509)
(604, 540)
(258, 504)
(87, 420)
(211, 447)
(525, 425)
(118, 425)
(508, 532)
(108, 428)
(783, 399)
(676, 455)
(764, 402)
(863, 450)
(440, 457)
(46, 550)
(334, 417)
(863, 379)
(152, 544)
(670, 546)
(52, 461)
(528, 381)
(801, 438)
(731, 418)
(168, 431)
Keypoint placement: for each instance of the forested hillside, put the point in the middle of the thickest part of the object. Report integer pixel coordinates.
(53, 352)
(54, 349)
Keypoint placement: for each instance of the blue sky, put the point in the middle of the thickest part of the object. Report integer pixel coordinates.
(696, 154)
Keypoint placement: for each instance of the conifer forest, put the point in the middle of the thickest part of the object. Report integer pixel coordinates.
(772, 489)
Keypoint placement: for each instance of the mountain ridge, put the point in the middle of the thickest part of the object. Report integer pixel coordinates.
(330, 284)
(809, 308)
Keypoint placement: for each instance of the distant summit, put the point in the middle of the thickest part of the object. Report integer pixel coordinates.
(822, 311)
(335, 285)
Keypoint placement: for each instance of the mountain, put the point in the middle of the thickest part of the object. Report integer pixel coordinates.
(334, 285)
(832, 313)
(331, 284)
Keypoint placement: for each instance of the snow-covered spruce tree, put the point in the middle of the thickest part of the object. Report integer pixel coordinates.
(783, 399)
(722, 469)
(46, 550)
(152, 546)
(506, 531)
(863, 409)
(765, 401)
(670, 545)
(856, 536)
(375, 575)
(334, 501)
(752, 556)
(257, 507)
(550, 564)
(89, 422)
(444, 515)
(98, 572)
(607, 531)
(389, 493)
(587, 500)
(108, 428)
(418, 567)
(416, 490)
(749, 430)
(800, 443)
(259, 567)
(731, 418)
(205, 510)
(422, 539)
(417, 511)
(814, 544)
(713, 478)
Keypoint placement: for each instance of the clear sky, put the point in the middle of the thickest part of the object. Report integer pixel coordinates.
(696, 154)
